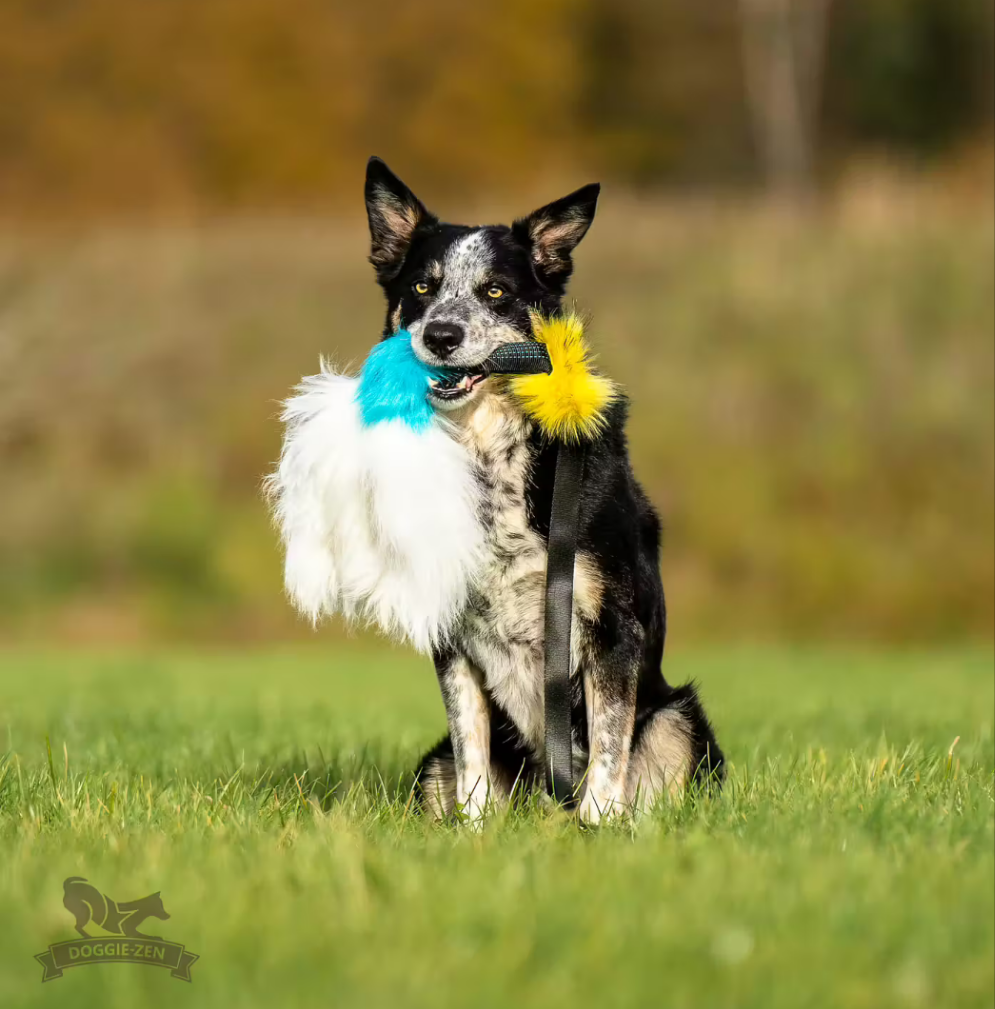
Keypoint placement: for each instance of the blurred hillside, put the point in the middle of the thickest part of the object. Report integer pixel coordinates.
(811, 374)
(812, 410)
(165, 106)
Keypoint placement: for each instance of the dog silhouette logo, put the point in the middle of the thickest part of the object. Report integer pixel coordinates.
(125, 944)
(87, 904)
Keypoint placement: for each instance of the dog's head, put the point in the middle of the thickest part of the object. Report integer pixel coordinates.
(151, 906)
(462, 291)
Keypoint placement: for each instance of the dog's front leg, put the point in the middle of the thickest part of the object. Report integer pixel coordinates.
(610, 694)
(469, 716)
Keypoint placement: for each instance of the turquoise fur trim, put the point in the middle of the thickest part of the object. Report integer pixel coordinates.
(393, 384)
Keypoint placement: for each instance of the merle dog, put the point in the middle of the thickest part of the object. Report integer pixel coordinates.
(462, 291)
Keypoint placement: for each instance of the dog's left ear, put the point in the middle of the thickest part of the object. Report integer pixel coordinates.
(394, 212)
(552, 232)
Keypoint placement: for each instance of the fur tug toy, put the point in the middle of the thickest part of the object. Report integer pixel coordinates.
(379, 505)
(376, 496)
(569, 404)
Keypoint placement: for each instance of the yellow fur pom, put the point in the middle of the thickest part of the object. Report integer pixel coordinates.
(569, 404)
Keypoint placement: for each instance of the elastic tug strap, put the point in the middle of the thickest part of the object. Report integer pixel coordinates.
(561, 552)
(558, 389)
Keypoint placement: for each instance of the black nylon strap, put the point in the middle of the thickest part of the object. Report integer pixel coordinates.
(562, 549)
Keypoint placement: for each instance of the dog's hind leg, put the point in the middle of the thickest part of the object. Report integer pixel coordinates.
(435, 780)
(513, 772)
(673, 746)
(85, 902)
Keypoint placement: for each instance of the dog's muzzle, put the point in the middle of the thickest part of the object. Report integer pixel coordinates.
(514, 358)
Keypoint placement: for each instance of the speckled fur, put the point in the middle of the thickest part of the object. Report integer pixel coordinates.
(635, 736)
(502, 628)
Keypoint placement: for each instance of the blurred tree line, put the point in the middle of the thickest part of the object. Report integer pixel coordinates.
(123, 105)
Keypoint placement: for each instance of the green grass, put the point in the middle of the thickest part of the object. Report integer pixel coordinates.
(849, 861)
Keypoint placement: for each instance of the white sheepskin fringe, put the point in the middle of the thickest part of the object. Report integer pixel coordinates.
(379, 523)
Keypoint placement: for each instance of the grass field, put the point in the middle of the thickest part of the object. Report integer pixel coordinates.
(849, 861)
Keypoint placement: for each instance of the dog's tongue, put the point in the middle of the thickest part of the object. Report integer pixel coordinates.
(457, 380)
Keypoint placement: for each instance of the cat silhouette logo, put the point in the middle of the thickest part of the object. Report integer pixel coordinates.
(126, 944)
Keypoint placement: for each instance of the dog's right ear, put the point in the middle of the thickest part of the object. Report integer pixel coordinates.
(394, 212)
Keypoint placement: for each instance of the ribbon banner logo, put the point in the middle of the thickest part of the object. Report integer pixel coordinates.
(125, 944)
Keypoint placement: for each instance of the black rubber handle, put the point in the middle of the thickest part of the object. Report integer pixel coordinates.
(519, 359)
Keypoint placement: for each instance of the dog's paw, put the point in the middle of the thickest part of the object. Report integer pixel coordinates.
(474, 802)
(595, 809)
(472, 814)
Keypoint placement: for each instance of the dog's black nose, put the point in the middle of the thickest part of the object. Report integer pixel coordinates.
(442, 338)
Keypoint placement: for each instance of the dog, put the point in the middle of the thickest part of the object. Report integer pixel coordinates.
(461, 291)
(86, 903)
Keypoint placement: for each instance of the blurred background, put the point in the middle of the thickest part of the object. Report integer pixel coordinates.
(791, 271)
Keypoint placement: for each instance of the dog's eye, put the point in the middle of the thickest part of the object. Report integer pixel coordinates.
(495, 291)
(421, 287)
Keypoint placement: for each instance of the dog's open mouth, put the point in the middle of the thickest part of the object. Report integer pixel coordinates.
(453, 388)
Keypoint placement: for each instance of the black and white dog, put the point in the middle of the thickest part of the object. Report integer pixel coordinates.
(462, 291)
